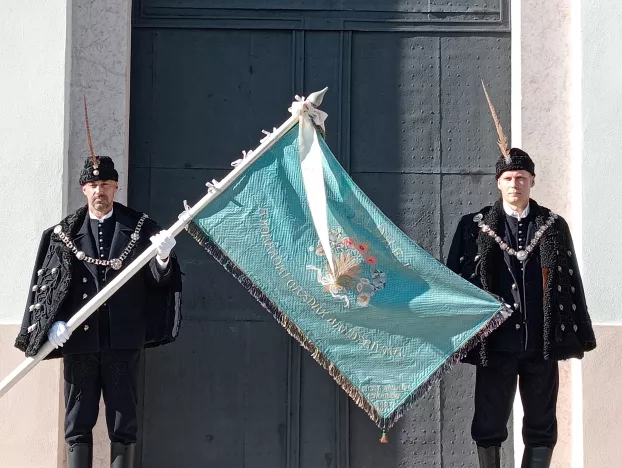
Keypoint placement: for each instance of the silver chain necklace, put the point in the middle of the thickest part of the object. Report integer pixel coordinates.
(115, 263)
(521, 255)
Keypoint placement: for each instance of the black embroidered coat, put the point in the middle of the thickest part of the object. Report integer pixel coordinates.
(566, 326)
(144, 312)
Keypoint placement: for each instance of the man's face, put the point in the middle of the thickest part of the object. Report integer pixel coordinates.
(100, 194)
(516, 186)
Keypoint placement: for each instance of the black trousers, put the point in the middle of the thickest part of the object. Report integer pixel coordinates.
(111, 372)
(495, 388)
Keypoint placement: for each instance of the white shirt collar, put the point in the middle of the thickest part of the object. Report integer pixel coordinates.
(106, 216)
(511, 212)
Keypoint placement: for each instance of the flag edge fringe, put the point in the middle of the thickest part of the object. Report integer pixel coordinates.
(384, 423)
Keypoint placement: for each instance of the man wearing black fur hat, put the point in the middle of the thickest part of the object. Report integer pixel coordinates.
(523, 253)
(76, 259)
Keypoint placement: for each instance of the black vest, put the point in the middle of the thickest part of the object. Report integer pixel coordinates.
(103, 232)
(520, 285)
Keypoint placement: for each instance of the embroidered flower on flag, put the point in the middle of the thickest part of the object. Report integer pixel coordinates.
(356, 276)
(363, 300)
(348, 242)
(362, 248)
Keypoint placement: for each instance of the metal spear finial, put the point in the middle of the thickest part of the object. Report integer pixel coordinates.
(316, 98)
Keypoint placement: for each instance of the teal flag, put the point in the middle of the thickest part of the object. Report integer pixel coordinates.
(386, 319)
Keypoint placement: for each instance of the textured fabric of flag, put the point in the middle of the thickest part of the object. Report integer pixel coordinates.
(386, 319)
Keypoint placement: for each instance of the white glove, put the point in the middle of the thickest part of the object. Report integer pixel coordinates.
(164, 242)
(58, 334)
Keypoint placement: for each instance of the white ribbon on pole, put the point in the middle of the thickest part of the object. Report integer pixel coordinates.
(311, 163)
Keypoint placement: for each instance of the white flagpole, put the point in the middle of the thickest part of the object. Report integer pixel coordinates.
(184, 219)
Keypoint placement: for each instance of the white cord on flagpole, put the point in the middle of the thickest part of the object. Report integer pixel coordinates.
(184, 218)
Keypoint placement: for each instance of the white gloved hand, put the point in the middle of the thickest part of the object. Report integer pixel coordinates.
(164, 242)
(58, 334)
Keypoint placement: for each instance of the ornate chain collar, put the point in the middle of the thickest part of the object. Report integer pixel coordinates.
(521, 255)
(115, 263)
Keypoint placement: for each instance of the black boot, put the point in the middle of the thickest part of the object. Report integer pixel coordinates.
(537, 457)
(80, 455)
(122, 455)
(489, 457)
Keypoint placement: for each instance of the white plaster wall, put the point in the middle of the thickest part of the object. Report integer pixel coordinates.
(34, 96)
(31, 433)
(602, 378)
(601, 198)
(101, 72)
(602, 157)
(545, 99)
(33, 99)
(542, 93)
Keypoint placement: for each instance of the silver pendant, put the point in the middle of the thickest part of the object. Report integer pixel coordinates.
(522, 255)
(116, 264)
